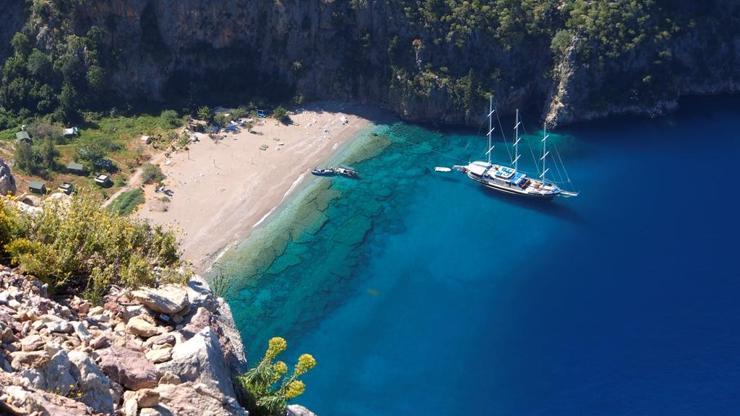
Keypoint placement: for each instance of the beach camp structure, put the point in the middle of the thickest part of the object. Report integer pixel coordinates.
(76, 168)
(71, 132)
(23, 137)
(67, 188)
(103, 180)
(37, 187)
(261, 113)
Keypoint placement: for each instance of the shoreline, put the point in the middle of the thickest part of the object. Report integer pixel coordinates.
(222, 191)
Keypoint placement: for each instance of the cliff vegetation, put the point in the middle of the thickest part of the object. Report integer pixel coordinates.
(428, 60)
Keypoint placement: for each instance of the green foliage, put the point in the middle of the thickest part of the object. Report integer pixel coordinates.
(24, 158)
(76, 243)
(560, 42)
(151, 173)
(280, 114)
(205, 113)
(127, 202)
(171, 118)
(267, 386)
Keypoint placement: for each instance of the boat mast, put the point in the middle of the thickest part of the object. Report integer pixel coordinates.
(516, 141)
(544, 151)
(490, 127)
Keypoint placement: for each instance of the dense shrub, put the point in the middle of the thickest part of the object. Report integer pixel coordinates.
(267, 386)
(77, 244)
(151, 173)
(280, 114)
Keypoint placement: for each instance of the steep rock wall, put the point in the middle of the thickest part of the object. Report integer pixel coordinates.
(423, 67)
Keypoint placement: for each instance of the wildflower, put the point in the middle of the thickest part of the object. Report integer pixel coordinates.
(305, 363)
(276, 346)
(280, 368)
(295, 389)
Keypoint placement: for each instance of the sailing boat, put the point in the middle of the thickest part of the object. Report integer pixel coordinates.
(509, 179)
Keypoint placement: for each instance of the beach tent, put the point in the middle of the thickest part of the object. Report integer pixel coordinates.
(103, 180)
(23, 136)
(261, 113)
(37, 187)
(75, 168)
(70, 132)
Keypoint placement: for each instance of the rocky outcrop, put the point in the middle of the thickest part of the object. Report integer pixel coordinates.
(149, 352)
(7, 180)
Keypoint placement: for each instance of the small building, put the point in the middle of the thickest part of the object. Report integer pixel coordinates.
(23, 137)
(37, 187)
(75, 168)
(67, 188)
(103, 180)
(71, 132)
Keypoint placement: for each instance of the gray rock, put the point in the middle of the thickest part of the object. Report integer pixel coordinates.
(92, 383)
(128, 367)
(22, 399)
(29, 359)
(141, 327)
(159, 355)
(7, 181)
(200, 359)
(147, 398)
(60, 326)
(167, 299)
(54, 376)
(195, 399)
(298, 410)
(32, 343)
(81, 331)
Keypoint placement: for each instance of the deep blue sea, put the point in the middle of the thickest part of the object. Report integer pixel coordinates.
(422, 293)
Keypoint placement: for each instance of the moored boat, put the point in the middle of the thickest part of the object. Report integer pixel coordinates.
(347, 172)
(509, 179)
(324, 171)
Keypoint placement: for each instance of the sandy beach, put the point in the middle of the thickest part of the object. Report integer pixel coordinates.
(222, 189)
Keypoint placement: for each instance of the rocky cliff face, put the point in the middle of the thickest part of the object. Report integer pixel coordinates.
(166, 351)
(399, 55)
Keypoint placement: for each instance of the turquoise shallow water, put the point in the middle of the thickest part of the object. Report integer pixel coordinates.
(421, 293)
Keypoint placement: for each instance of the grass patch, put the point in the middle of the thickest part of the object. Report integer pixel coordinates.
(127, 202)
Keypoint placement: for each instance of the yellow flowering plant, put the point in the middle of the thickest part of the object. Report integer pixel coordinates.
(267, 387)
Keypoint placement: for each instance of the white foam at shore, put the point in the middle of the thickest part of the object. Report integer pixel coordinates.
(293, 186)
(265, 217)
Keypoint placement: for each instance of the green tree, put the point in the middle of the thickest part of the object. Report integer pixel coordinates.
(48, 154)
(39, 65)
(21, 44)
(96, 78)
(68, 101)
(24, 157)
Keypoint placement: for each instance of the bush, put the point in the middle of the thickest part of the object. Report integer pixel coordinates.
(267, 388)
(152, 174)
(77, 244)
(127, 202)
(171, 118)
(280, 114)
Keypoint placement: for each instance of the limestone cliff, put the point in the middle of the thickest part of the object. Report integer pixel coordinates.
(432, 61)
